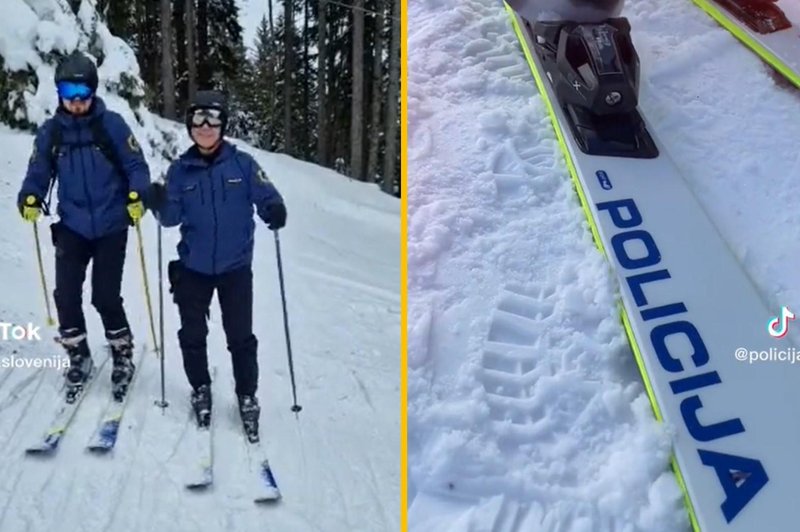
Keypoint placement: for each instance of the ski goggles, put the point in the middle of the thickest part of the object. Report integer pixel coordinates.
(68, 90)
(211, 117)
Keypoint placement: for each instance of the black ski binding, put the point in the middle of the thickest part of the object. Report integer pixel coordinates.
(250, 411)
(121, 377)
(77, 376)
(201, 405)
(73, 392)
(594, 70)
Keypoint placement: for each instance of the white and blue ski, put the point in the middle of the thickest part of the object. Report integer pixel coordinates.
(105, 436)
(63, 417)
(690, 311)
(200, 446)
(267, 488)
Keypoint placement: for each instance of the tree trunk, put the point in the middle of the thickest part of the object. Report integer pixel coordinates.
(272, 96)
(203, 45)
(191, 56)
(375, 108)
(288, 70)
(322, 85)
(306, 86)
(338, 112)
(357, 103)
(271, 22)
(167, 64)
(178, 22)
(151, 46)
(392, 103)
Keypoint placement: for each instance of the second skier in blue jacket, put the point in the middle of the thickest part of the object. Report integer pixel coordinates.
(212, 191)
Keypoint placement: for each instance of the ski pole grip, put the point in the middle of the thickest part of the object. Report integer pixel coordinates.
(31, 200)
(133, 196)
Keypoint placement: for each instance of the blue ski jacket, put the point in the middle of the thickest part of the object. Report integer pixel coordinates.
(213, 201)
(92, 195)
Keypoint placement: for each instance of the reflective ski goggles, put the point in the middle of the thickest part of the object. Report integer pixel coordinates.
(210, 117)
(68, 90)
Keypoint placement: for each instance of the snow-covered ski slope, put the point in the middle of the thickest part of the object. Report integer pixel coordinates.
(526, 411)
(337, 465)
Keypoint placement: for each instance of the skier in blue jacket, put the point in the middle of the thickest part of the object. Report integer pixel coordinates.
(212, 191)
(93, 158)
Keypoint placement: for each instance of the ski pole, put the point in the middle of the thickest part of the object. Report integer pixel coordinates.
(50, 320)
(146, 285)
(163, 403)
(295, 407)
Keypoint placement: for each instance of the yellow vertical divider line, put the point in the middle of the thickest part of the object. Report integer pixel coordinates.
(540, 83)
(403, 264)
(771, 59)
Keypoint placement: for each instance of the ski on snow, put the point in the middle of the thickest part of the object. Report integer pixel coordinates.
(63, 417)
(200, 446)
(201, 476)
(770, 28)
(687, 305)
(105, 435)
(265, 487)
(267, 490)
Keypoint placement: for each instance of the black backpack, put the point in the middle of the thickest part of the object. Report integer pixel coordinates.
(100, 139)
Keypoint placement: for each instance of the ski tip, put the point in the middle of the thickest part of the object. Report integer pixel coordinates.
(198, 486)
(268, 500)
(40, 450)
(36, 452)
(203, 481)
(48, 445)
(99, 448)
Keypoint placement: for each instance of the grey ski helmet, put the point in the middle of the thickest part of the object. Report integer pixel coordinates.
(77, 68)
(208, 100)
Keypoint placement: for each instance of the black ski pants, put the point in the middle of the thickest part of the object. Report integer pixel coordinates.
(193, 292)
(73, 253)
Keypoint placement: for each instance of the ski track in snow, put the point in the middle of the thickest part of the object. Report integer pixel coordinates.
(526, 410)
(337, 466)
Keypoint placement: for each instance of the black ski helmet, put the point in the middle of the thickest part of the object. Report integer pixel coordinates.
(77, 68)
(207, 100)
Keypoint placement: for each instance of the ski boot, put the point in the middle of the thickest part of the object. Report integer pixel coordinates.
(201, 404)
(80, 362)
(594, 71)
(250, 412)
(121, 343)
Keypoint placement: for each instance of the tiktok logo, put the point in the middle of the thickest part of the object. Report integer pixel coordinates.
(779, 325)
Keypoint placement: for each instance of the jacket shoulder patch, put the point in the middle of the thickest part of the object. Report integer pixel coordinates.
(133, 144)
